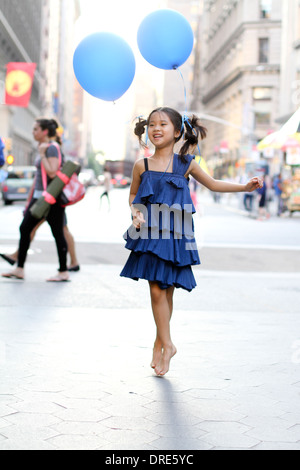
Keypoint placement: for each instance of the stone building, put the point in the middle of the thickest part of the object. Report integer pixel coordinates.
(240, 75)
(20, 37)
(42, 33)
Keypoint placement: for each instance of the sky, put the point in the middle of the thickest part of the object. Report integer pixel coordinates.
(121, 17)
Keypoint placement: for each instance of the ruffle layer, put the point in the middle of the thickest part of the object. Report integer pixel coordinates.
(149, 267)
(164, 250)
(165, 245)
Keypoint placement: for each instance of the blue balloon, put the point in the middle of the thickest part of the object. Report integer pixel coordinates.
(165, 39)
(104, 65)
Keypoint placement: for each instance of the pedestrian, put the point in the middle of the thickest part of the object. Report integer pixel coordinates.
(248, 197)
(107, 185)
(2, 157)
(74, 265)
(263, 213)
(159, 198)
(44, 132)
(278, 188)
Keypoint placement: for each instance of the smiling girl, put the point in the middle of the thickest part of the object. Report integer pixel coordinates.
(162, 245)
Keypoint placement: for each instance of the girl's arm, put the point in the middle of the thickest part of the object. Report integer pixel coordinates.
(137, 216)
(221, 186)
(51, 164)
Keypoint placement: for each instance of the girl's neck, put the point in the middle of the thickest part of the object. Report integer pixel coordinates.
(164, 153)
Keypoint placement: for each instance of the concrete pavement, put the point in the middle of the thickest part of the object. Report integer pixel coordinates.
(75, 357)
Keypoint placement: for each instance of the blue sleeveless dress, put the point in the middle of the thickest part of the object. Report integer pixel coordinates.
(164, 249)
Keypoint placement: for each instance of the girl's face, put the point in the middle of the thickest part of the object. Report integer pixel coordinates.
(38, 134)
(161, 130)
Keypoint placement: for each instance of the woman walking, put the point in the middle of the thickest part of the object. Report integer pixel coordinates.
(44, 132)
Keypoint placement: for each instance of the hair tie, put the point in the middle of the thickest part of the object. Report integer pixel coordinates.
(185, 119)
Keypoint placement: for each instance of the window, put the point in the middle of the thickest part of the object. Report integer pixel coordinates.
(262, 118)
(262, 104)
(262, 93)
(263, 57)
(265, 9)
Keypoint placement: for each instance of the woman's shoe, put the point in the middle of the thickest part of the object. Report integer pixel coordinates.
(8, 259)
(13, 275)
(74, 269)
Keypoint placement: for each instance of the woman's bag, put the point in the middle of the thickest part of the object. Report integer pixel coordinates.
(73, 191)
(42, 206)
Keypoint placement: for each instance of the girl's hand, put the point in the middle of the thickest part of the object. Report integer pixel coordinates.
(253, 184)
(42, 149)
(138, 219)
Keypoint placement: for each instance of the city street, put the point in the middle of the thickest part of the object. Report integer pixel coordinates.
(75, 357)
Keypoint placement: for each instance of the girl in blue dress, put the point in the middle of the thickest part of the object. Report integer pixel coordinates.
(161, 238)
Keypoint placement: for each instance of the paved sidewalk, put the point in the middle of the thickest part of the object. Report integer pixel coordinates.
(75, 374)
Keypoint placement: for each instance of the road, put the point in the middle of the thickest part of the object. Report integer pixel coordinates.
(75, 357)
(227, 238)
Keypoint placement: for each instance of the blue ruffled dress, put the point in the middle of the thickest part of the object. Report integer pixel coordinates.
(164, 249)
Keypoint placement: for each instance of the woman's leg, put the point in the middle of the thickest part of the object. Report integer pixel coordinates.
(71, 247)
(27, 226)
(55, 219)
(14, 256)
(162, 306)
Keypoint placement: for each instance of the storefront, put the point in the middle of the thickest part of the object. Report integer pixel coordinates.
(291, 180)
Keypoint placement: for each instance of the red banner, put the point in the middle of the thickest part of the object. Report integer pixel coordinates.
(18, 84)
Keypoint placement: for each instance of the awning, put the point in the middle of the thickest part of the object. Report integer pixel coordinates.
(279, 138)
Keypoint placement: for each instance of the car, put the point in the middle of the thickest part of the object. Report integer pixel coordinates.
(120, 181)
(17, 184)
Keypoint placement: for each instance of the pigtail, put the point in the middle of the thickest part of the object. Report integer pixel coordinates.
(194, 132)
(140, 130)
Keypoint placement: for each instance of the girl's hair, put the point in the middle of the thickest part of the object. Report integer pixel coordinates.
(51, 126)
(191, 131)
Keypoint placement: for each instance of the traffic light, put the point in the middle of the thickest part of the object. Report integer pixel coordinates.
(10, 159)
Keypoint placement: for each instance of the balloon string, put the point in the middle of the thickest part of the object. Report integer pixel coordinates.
(185, 116)
(184, 89)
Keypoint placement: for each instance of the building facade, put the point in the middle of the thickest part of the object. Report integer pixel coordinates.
(290, 60)
(240, 78)
(20, 36)
(43, 33)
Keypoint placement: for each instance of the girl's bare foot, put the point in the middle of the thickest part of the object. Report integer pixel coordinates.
(164, 364)
(157, 353)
